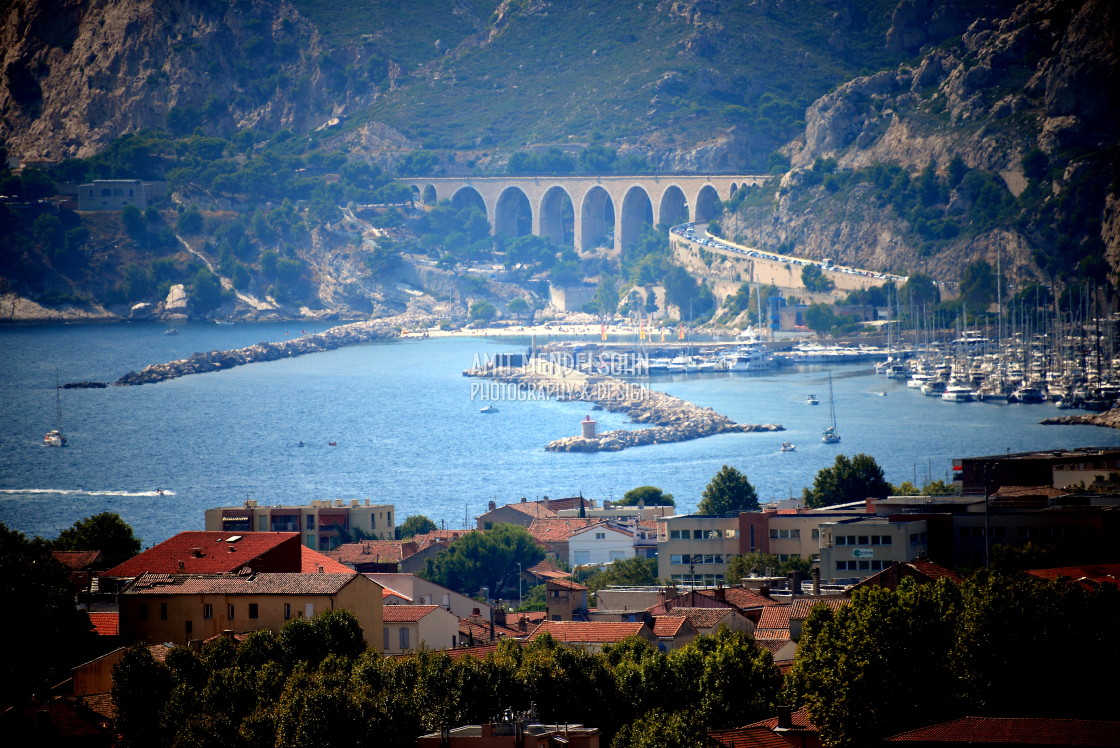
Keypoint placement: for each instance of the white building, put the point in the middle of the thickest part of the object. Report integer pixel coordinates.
(319, 523)
(422, 592)
(600, 544)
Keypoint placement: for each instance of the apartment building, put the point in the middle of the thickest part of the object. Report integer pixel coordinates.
(322, 524)
(859, 547)
(694, 549)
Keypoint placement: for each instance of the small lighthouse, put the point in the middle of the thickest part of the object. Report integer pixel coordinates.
(588, 427)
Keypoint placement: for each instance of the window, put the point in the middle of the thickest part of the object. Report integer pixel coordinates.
(207, 611)
(311, 522)
(309, 610)
(404, 637)
(678, 534)
(918, 538)
(163, 611)
(600, 536)
(385, 631)
(785, 534)
(190, 628)
(231, 616)
(287, 611)
(815, 533)
(253, 610)
(142, 611)
(676, 559)
(864, 540)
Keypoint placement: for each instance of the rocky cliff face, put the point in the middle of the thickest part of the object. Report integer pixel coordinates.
(75, 74)
(1030, 86)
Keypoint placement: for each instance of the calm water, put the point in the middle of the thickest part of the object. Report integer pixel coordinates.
(409, 434)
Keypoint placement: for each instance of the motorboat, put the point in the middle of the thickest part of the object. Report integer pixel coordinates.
(788, 446)
(933, 388)
(1027, 394)
(488, 409)
(958, 393)
(812, 400)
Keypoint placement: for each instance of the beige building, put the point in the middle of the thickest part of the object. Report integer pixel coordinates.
(181, 608)
(319, 523)
(695, 548)
(409, 627)
(420, 591)
(858, 548)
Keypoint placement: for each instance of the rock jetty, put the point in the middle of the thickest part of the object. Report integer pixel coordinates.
(335, 337)
(1109, 419)
(672, 419)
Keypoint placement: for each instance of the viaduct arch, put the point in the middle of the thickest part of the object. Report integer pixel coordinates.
(594, 206)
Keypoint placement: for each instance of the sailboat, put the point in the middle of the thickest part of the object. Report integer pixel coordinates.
(830, 436)
(54, 437)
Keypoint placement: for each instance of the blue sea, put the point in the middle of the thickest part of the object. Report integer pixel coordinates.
(409, 433)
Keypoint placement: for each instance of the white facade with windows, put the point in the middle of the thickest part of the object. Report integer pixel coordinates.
(694, 548)
(859, 548)
(600, 544)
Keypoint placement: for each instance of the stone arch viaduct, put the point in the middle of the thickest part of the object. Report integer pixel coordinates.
(584, 211)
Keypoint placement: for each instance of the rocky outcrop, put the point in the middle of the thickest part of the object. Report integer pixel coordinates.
(671, 419)
(336, 337)
(1109, 419)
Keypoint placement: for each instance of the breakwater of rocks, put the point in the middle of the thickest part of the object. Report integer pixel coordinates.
(335, 337)
(671, 419)
(1109, 419)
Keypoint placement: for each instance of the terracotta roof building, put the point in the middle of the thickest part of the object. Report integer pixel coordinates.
(788, 729)
(181, 608)
(990, 732)
(408, 627)
(214, 553)
(593, 635)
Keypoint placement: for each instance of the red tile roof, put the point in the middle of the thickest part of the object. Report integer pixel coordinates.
(703, 619)
(446, 537)
(1016, 731)
(565, 584)
(727, 597)
(547, 570)
(207, 553)
(665, 626)
(533, 508)
(76, 560)
(406, 613)
(477, 629)
(311, 561)
(373, 551)
(387, 592)
(1089, 575)
(231, 584)
(799, 609)
(105, 624)
(559, 529)
(587, 632)
(748, 737)
(775, 617)
(605, 525)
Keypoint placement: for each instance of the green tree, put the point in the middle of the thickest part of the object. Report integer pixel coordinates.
(134, 222)
(634, 571)
(883, 641)
(415, 524)
(141, 687)
(661, 729)
(847, 480)
(814, 279)
(978, 285)
(919, 290)
(105, 532)
(820, 318)
(606, 296)
(206, 292)
(54, 636)
(485, 559)
(483, 311)
(520, 308)
(757, 563)
(648, 495)
(729, 491)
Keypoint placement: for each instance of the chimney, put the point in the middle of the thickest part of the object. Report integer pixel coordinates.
(524, 500)
(320, 568)
(232, 548)
(493, 505)
(785, 718)
(720, 593)
(816, 573)
(196, 552)
(547, 502)
(228, 633)
(500, 616)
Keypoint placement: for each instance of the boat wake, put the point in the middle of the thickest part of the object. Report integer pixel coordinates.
(81, 492)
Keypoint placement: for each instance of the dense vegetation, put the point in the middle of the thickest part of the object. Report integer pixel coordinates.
(314, 683)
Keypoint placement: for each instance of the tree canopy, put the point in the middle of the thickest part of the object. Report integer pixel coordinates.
(485, 559)
(105, 532)
(416, 524)
(729, 491)
(648, 495)
(53, 634)
(847, 480)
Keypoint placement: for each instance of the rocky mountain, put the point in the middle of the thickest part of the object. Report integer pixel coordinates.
(1018, 104)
